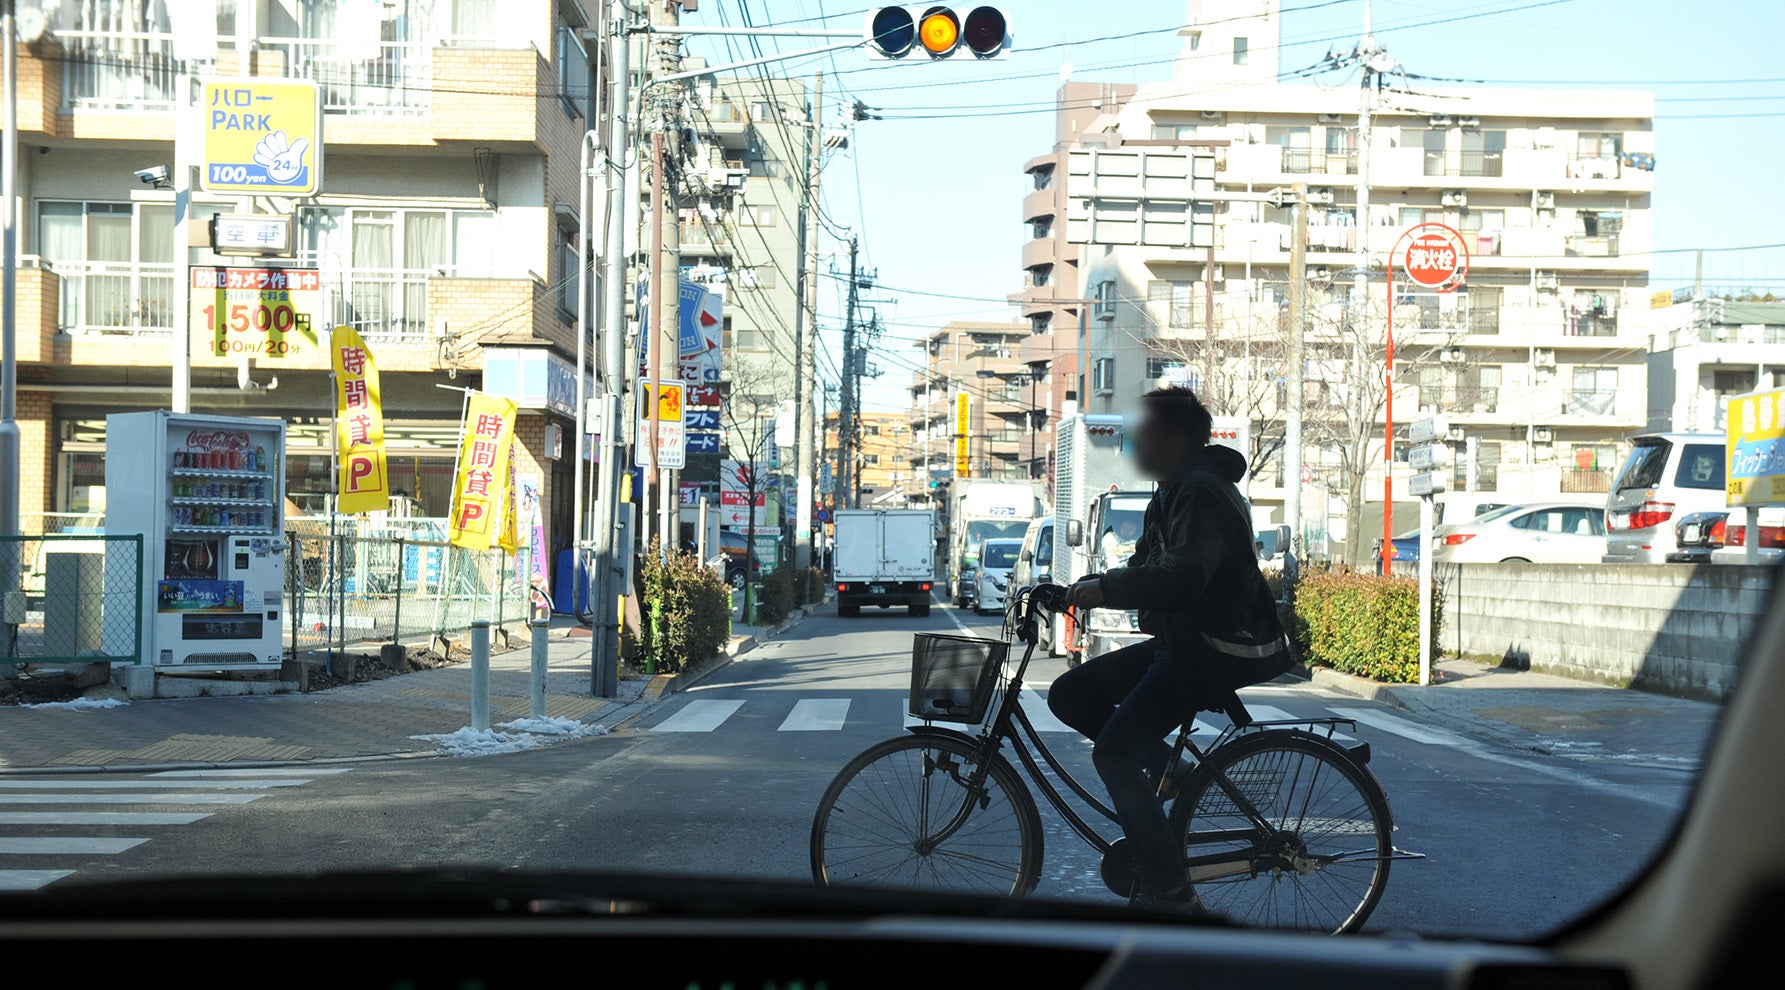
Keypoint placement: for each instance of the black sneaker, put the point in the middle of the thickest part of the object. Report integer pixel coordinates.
(1183, 900)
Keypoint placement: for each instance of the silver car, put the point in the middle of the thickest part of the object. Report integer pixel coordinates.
(1667, 476)
(997, 558)
(1540, 533)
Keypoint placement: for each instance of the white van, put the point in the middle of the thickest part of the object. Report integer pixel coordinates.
(1666, 476)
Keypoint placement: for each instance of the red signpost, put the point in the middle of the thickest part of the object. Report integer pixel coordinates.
(1433, 256)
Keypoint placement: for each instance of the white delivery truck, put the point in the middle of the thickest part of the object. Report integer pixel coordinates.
(1099, 504)
(884, 557)
(979, 511)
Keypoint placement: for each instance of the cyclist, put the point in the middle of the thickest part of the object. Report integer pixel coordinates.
(1194, 579)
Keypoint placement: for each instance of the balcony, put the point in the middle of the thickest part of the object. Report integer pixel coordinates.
(710, 238)
(1588, 246)
(114, 298)
(1465, 164)
(1040, 251)
(1577, 482)
(1589, 402)
(729, 123)
(1308, 161)
(1594, 167)
(389, 78)
(1039, 204)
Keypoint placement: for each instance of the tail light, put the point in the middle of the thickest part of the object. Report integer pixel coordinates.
(842, 587)
(1457, 539)
(925, 586)
(1770, 536)
(1644, 516)
(1719, 532)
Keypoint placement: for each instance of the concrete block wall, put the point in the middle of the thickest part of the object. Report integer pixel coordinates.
(1673, 628)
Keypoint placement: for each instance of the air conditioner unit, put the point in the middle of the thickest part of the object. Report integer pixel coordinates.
(1452, 355)
(1544, 357)
(1543, 434)
(1546, 200)
(1321, 273)
(1331, 118)
(1321, 196)
(1455, 434)
(1548, 280)
(1469, 121)
(1211, 115)
(1454, 197)
(1220, 273)
(1440, 120)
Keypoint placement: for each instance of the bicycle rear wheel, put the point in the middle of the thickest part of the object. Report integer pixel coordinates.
(881, 821)
(1326, 867)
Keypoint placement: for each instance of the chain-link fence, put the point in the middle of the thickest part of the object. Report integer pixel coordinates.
(71, 598)
(398, 581)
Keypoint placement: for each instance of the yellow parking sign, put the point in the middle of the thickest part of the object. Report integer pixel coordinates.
(1755, 449)
(261, 136)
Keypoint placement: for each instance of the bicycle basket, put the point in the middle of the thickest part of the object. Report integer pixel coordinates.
(953, 678)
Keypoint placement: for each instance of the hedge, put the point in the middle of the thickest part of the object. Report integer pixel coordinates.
(1362, 624)
(780, 595)
(687, 612)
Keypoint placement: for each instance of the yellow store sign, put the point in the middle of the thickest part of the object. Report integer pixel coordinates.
(261, 137)
(1755, 449)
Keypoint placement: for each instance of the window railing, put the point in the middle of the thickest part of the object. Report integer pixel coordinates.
(114, 297)
(1589, 402)
(122, 70)
(1312, 161)
(1465, 163)
(1578, 482)
(1589, 246)
(361, 79)
(1606, 166)
(1591, 325)
(388, 304)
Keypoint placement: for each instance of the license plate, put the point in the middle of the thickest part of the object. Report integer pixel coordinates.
(877, 589)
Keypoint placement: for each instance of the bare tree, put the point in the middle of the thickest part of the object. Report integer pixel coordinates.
(749, 407)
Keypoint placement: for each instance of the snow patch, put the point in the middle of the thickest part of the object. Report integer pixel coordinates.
(521, 734)
(81, 704)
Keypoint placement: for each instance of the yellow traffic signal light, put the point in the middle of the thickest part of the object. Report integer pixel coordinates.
(938, 31)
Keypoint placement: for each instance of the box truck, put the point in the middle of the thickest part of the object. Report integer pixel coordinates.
(884, 557)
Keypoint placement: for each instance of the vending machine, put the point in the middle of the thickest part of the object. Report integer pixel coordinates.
(207, 494)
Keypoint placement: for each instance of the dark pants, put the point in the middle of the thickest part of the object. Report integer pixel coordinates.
(1127, 702)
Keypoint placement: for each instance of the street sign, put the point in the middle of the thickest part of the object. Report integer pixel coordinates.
(1428, 483)
(1755, 450)
(261, 137)
(1435, 256)
(672, 446)
(1429, 429)
(1429, 457)
(259, 312)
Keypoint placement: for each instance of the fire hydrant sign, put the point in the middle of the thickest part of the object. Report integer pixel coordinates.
(1436, 257)
(262, 137)
(255, 312)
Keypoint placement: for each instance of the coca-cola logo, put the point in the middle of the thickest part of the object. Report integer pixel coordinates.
(216, 440)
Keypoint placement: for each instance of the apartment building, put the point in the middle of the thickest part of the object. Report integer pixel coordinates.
(1050, 292)
(882, 464)
(984, 361)
(445, 230)
(1705, 351)
(1538, 361)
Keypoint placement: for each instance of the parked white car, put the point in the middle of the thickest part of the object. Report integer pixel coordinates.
(1540, 533)
(997, 558)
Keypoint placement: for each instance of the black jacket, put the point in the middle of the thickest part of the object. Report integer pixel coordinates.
(1194, 575)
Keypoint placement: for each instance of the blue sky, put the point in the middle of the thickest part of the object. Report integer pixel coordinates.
(934, 190)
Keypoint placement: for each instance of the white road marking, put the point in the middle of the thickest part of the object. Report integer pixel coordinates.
(22, 880)
(1271, 713)
(699, 716)
(1040, 715)
(1402, 727)
(253, 772)
(816, 715)
(186, 783)
(101, 817)
(127, 798)
(65, 845)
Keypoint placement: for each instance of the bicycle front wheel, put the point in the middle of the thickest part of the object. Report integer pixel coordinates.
(921, 812)
(1322, 864)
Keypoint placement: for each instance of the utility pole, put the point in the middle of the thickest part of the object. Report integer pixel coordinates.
(666, 257)
(10, 441)
(1298, 321)
(1208, 318)
(806, 368)
(607, 577)
(846, 427)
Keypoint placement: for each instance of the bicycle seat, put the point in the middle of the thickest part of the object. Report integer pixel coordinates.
(1230, 705)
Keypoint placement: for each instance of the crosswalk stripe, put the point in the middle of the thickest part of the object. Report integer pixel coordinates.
(1040, 715)
(1271, 713)
(101, 817)
(65, 845)
(127, 798)
(816, 715)
(1400, 727)
(255, 772)
(189, 784)
(17, 881)
(699, 716)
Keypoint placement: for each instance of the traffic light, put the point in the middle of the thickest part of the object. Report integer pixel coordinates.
(935, 32)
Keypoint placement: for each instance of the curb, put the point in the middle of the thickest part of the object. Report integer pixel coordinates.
(1358, 687)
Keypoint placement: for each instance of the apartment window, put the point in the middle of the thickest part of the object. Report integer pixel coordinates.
(1043, 178)
(115, 262)
(1484, 308)
(1103, 375)
(1595, 234)
(1174, 132)
(1040, 323)
(1241, 51)
(871, 460)
(762, 111)
(1737, 381)
(1174, 372)
(1590, 145)
(1041, 276)
(1175, 302)
(1433, 140)
(1193, 40)
(1043, 227)
(1103, 305)
(766, 168)
(756, 216)
(576, 85)
(1484, 153)
(1479, 388)
(377, 262)
(1594, 392)
(1478, 469)
(570, 277)
(741, 336)
(1297, 145)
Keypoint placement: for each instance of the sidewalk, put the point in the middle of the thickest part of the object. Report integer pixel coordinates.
(1548, 714)
(360, 721)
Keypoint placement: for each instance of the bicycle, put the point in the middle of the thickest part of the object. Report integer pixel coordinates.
(943, 808)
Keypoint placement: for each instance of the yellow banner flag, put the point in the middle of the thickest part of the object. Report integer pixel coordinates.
(509, 538)
(364, 480)
(481, 485)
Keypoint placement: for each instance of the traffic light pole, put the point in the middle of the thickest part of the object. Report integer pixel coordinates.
(806, 370)
(846, 427)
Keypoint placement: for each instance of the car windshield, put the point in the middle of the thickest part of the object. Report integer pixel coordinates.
(591, 436)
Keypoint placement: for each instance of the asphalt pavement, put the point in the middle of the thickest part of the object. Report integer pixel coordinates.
(723, 778)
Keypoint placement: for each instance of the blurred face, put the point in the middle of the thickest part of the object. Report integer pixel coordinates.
(1159, 451)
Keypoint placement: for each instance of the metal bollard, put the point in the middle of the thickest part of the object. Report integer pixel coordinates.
(536, 694)
(480, 675)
